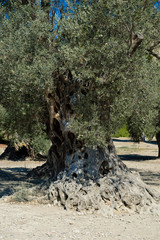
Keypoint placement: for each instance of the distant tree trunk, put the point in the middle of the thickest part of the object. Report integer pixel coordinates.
(158, 142)
(11, 153)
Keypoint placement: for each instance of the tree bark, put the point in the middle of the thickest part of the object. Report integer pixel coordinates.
(11, 153)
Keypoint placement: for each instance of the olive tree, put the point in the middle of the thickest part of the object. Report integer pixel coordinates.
(78, 79)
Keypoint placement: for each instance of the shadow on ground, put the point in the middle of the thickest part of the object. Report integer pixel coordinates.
(121, 140)
(10, 178)
(129, 140)
(149, 177)
(136, 157)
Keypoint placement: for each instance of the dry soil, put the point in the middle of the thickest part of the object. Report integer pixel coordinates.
(26, 221)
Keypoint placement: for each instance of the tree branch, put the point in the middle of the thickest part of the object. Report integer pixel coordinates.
(150, 50)
(136, 40)
(153, 54)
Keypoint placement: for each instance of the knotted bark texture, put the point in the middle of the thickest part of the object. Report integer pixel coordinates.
(97, 181)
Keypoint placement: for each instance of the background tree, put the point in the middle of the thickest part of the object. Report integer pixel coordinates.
(145, 118)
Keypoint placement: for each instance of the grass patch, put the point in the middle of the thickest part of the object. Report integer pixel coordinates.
(26, 193)
(22, 194)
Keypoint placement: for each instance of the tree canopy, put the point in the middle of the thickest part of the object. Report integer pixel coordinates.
(104, 45)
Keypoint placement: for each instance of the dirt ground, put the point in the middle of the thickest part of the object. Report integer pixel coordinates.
(24, 221)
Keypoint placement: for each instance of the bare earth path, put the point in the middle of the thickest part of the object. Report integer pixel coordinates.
(36, 221)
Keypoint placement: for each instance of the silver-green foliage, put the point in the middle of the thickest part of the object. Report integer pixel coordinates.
(26, 66)
(93, 41)
(96, 47)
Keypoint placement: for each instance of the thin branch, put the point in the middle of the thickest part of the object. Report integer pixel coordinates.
(150, 50)
(136, 40)
(153, 54)
(155, 45)
(125, 24)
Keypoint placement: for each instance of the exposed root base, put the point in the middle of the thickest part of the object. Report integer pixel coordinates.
(115, 192)
(44, 171)
(95, 179)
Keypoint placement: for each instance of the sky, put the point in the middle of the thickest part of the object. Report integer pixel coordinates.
(156, 5)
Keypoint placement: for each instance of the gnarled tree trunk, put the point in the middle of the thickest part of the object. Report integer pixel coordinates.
(85, 178)
(63, 139)
(66, 149)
